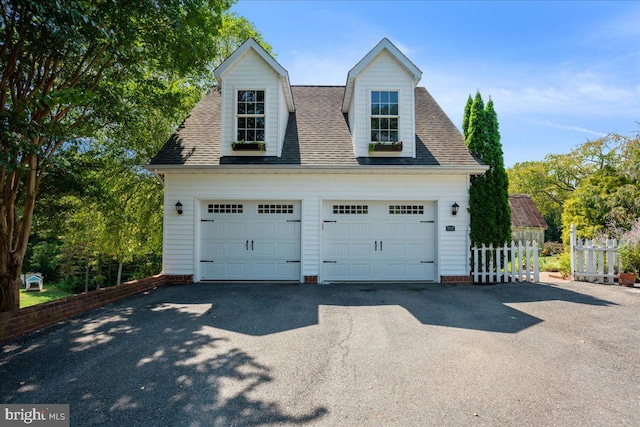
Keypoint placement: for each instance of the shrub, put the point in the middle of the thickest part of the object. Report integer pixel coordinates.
(552, 248)
(629, 249)
(565, 264)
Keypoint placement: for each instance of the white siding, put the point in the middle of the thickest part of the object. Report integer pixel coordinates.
(383, 73)
(251, 72)
(181, 245)
(311, 221)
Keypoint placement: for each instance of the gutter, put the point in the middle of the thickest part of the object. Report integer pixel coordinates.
(321, 169)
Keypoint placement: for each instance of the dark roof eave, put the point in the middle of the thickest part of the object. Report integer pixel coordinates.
(304, 169)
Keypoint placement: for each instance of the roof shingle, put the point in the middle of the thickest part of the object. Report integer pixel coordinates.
(524, 213)
(317, 135)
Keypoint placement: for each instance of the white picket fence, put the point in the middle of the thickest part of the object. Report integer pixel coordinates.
(509, 263)
(593, 260)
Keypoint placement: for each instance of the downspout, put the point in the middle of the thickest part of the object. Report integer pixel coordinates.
(158, 177)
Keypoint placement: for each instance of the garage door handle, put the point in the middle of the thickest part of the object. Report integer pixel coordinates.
(380, 245)
(246, 246)
(376, 246)
(252, 245)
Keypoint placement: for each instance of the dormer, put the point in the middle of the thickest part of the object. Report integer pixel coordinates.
(379, 102)
(256, 102)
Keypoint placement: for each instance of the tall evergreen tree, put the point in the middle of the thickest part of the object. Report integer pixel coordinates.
(488, 194)
(466, 116)
(498, 176)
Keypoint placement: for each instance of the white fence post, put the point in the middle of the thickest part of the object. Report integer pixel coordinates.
(491, 265)
(536, 268)
(589, 258)
(514, 260)
(573, 258)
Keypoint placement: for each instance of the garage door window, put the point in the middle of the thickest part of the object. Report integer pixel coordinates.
(275, 209)
(406, 209)
(224, 208)
(351, 209)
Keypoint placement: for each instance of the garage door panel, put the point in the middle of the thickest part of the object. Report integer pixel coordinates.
(235, 270)
(400, 229)
(335, 230)
(287, 269)
(235, 229)
(338, 250)
(360, 271)
(265, 230)
(394, 249)
(394, 272)
(210, 250)
(360, 230)
(234, 249)
(288, 230)
(287, 250)
(379, 241)
(360, 250)
(337, 271)
(250, 240)
(265, 270)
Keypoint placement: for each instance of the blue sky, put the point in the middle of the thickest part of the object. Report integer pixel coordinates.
(559, 73)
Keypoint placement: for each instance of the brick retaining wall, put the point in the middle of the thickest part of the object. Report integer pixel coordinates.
(456, 279)
(19, 322)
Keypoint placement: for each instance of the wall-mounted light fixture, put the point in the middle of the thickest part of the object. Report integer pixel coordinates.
(454, 209)
(179, 207)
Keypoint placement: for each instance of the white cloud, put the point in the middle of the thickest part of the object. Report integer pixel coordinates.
(571, 128)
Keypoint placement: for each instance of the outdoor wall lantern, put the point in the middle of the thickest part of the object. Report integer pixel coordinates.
(454, 209)
(179, 207)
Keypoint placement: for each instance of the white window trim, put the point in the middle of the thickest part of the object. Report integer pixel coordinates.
(236, 116)
(372, 116)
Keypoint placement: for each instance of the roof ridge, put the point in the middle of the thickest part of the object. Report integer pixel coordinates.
(317, 86)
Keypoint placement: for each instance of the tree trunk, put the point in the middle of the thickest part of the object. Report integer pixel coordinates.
(10, 291)
(86, 276)
(119, 273)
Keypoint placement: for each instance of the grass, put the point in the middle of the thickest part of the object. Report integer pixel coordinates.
(550, 263)
(27, 299)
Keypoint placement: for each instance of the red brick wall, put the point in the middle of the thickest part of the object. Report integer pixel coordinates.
(311, 279)
(177, 279)
(16, 323)
(456, 279)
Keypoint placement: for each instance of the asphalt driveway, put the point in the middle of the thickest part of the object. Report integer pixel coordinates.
(351, 355)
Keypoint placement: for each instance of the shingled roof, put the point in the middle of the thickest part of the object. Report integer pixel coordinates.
(524, 213)
(317, 135)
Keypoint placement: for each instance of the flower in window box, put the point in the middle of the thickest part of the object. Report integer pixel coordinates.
(381, 146)
(249, 146)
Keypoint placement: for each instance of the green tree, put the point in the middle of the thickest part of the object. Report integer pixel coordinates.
(589, 207)
(606, 187)
(466, 116)
(488, 194)
(65, 65)
(536, 179)
(103, 175)
(595, 186)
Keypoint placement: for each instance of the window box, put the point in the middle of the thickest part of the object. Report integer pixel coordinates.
(380, 146)
(248, 146)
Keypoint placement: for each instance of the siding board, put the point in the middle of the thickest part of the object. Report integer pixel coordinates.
(180, 246)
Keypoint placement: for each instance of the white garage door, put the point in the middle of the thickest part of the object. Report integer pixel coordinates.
(385, 241)
(250, 240)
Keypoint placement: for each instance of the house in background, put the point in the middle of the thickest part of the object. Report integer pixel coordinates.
(527, 224)
(362, 182)
(33, 282)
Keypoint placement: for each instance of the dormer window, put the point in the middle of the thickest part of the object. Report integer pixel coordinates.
(250, 115)
(384, 116)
